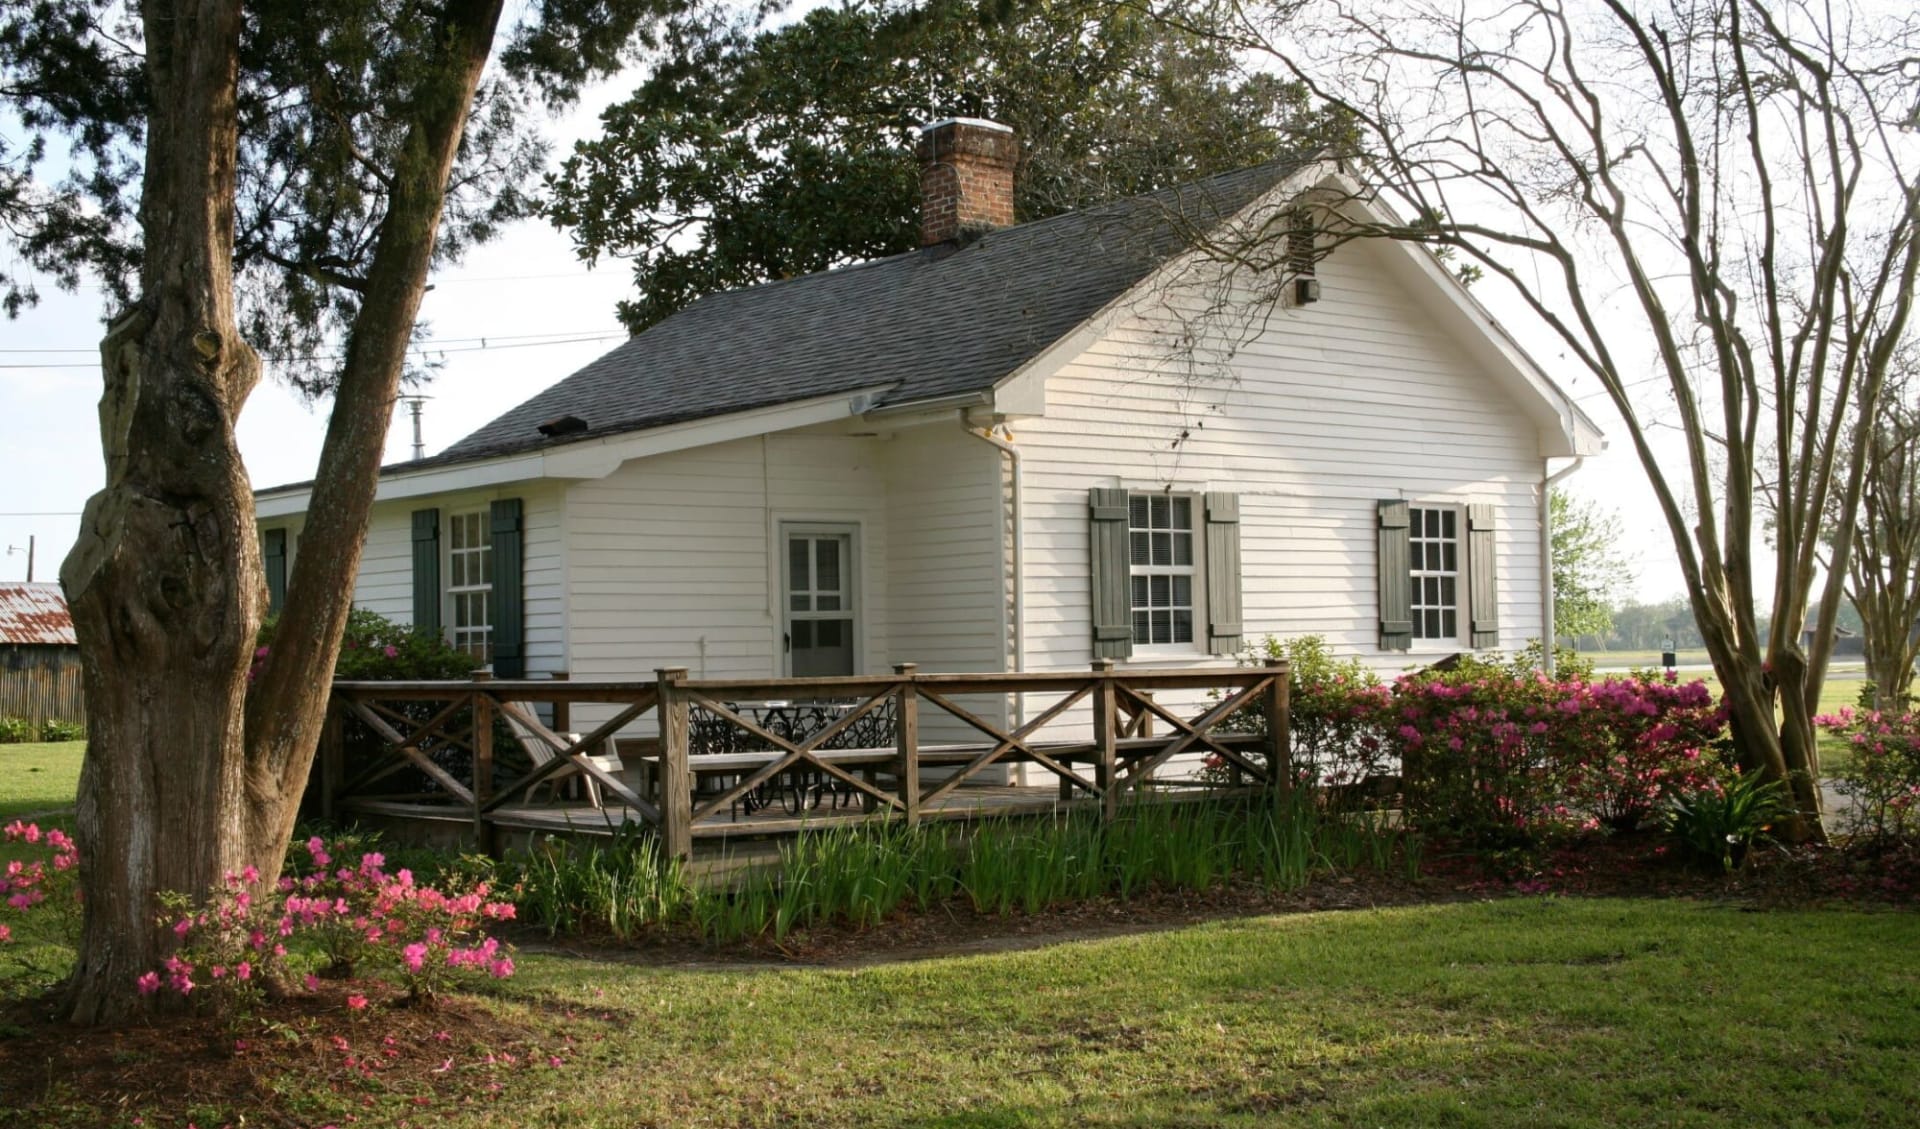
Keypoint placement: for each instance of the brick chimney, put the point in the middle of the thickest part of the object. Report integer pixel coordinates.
(966, 179)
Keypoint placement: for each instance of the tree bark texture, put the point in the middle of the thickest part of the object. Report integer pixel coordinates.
(187, 776)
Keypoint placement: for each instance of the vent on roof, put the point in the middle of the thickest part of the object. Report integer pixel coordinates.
(563, 425)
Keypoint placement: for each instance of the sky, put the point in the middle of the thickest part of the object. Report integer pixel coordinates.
(517, 315)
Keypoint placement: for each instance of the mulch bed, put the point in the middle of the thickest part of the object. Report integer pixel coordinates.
(307, 1060)
(312, 1060)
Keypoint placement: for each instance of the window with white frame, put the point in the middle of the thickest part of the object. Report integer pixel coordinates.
(1161, 554)
(470, 584)
(1434, 541)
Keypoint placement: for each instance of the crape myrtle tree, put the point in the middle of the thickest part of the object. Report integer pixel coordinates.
(768, 152)
(253, 179)
(1883, 570)
(1712, 207)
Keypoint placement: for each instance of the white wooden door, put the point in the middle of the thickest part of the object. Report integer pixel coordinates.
(821, 619)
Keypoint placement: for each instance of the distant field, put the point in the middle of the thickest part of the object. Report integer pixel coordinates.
(38, 778)
(1695, 658)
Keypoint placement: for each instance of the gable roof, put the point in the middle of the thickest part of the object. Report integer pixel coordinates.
(934, 323)
(35, 614)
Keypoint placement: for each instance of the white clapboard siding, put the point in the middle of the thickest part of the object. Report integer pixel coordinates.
(670, 558)
(1313, 417)
(948, 583)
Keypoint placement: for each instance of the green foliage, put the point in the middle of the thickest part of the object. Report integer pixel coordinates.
(761, 154)
(327, 91)
(1881, 775)
(21, 731)
(1720, 822)
(1333, 710)
(1590, 572)
(374, 648)
(861, 876)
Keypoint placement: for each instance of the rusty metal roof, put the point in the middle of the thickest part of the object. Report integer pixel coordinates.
(34, 613)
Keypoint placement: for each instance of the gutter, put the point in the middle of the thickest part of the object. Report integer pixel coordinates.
(1548, 639)
(1012, 454)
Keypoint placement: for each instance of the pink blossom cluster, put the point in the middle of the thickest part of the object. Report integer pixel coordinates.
(1883, 775)
(1508, 756)
(27, 883)
(357, 915)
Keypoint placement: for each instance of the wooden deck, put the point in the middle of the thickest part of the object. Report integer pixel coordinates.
(437, 741)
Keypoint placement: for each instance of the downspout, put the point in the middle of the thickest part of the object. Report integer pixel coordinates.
(1548, 639)
(1012, 454)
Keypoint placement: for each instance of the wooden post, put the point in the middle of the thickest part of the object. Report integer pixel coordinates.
(1279, 726)
(906, 740)
(676, 775)
(562, 711)
(482, 766)
(1106, 724)
(333, 761)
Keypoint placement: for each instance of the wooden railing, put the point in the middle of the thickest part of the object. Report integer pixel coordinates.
(447, 733)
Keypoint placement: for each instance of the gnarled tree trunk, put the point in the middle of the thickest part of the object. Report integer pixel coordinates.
(187, 777)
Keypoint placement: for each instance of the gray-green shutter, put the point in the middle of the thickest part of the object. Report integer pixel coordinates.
(1396, 578)
(1112, 596)
(1483, 587)
(273, 556)
(509, 616)
(1223, 574)
(426, 570)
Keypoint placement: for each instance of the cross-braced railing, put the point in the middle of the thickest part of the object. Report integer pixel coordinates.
(1093, 731)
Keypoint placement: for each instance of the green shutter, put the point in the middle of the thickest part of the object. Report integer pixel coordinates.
(1223, 574)
(509, 616)
(1112, 600)
(1396, 578)
(426, 570)
(1483, 588)
(273, 557)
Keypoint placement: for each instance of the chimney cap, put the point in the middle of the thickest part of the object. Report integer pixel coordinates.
(976, 123)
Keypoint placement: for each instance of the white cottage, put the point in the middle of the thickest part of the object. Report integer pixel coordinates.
(1016, 448)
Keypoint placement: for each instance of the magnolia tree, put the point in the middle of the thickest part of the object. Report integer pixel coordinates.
(1712, 205)
(298, 168)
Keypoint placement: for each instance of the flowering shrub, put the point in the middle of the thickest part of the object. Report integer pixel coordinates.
(1502, 755)
(50, 882)
(1883, 778)
(1335, 709)
(1476, 753)
(359, 915)
(1631, 744)
(374, 647)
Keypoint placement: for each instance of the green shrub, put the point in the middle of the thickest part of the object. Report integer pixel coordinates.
(374, 648)
(1882, 777)
(1334, 711)
(1721, 822)
(56, 730)
(17, 731)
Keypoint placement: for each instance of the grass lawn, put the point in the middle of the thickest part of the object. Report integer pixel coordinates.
(38, 778)
(1522, 1013)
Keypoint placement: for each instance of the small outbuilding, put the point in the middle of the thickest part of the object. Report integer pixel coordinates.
(39, 655)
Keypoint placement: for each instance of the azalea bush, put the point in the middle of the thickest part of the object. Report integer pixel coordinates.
(46, 882)
(1629, 745)
(1335, 711)
(1883, 776)
(357, 916)
(374, 648)
(1478, 756)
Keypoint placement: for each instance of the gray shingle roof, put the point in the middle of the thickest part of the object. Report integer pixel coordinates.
(931, 323)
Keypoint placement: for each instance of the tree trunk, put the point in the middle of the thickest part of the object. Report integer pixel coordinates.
(164, 580)
(187, 777)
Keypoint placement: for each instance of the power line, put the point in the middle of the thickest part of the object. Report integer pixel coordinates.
(483, 338)
(419, 350)
(40, 513)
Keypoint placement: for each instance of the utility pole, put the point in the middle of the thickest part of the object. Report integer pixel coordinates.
(12, 549)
